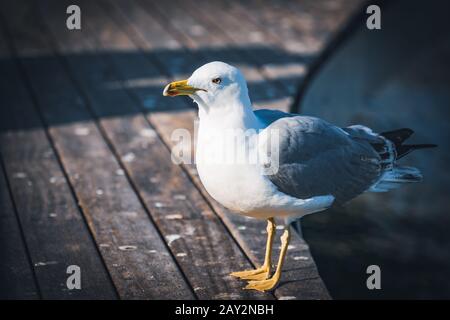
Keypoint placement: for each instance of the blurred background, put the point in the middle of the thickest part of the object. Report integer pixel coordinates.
(390, 78)
(85, 145)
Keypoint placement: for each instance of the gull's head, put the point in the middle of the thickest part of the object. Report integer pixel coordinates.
(214, 85)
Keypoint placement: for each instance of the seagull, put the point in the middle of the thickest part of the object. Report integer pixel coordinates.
(297, 165)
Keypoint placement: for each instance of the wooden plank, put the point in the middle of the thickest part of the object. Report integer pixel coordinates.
(306, 26)
(258, 45)
(216, 45)
(47, 211)
(251, 239)
(167, 50)
(279, 64)
(16, 272)
(302, 253)
(127, 239)
(250, 233)
(300, 29)
(196, 237)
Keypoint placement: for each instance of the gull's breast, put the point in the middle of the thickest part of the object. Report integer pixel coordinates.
(233, 180)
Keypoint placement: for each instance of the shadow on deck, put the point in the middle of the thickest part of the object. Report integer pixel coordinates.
(85, 146)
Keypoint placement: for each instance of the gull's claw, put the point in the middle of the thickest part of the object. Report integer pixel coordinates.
(261, 273)
(262, 285)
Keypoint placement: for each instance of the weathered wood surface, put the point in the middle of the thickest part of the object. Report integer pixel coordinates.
(54, 230)
(16, 273)
(249, 233)
(144, 227)
(197, 239)
(126, 238)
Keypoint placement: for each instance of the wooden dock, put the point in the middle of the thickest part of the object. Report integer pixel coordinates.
(85, 141)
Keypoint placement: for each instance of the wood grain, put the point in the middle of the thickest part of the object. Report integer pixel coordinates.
(87, 150)
(121, 227)
(16, 272)
(195, 236)
(55, 232)
(251, 238)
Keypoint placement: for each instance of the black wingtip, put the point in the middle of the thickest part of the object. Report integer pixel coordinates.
(405, 149)
(398, 136)
(422, 146)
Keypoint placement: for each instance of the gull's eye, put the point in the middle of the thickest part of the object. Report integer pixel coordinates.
(216, 80)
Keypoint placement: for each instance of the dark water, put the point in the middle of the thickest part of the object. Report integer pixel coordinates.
(393, 78)
(412, 250)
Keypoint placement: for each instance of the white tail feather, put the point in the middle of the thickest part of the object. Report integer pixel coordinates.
(395, 178)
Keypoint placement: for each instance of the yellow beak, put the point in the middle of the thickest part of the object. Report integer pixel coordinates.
(179, 88)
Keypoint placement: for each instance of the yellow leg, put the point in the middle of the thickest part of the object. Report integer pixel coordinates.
(262, 272)
(269, 284)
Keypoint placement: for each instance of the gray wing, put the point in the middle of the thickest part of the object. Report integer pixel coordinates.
(317, 158)
(268, 116)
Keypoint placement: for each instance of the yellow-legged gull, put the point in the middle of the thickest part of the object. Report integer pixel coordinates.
(291, 165)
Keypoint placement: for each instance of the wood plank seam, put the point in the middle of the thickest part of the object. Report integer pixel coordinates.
(168, 146)
(27, 84)
(4, 33)
(121, 163)
(113, 150)
(56, 153)
(182, 166)
(160, 135)
(318, 277)
(160, 16)
(27, 250)
(97, 120)
(249, 56)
